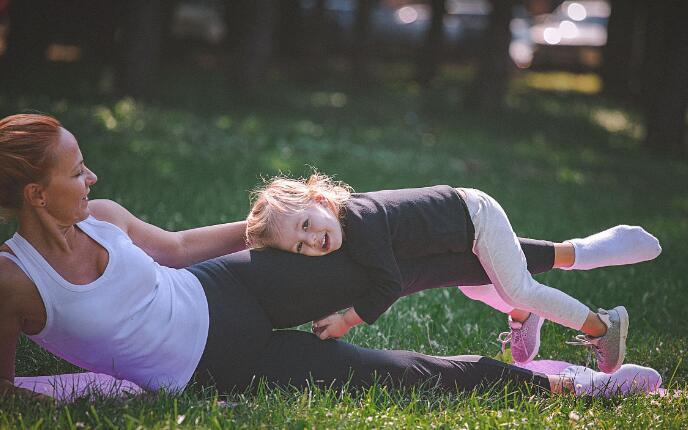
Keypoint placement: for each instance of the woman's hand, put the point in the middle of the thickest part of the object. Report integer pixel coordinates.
(9, 389)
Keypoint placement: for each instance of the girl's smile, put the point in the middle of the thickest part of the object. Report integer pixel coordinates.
(314, 231)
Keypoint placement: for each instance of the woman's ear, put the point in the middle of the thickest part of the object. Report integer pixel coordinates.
(34, 195)
(319, 198)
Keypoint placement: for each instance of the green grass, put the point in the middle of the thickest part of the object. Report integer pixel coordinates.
(562, 164)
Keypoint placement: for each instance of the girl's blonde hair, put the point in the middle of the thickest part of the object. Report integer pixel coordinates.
(281, 196)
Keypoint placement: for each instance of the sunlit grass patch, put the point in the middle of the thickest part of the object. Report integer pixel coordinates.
(562, 164)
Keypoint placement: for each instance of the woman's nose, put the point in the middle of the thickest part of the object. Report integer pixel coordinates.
(92, 178)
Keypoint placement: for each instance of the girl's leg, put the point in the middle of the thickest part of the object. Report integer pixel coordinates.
(450, 270)
(499, 252)
(298, 358)
(488, 295)
(619, 245)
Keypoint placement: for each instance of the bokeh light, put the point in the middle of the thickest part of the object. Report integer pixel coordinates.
(576, 12)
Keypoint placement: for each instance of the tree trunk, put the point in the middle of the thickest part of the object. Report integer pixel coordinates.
(27, 40)
(255, 44)
(360, 66)
(98, 25)
(141, 47)
(289, 29)
(430, 53)
(666, 77)
(622, 55)
(318, 28)
(491, 81)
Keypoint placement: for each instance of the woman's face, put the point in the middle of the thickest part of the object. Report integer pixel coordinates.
(68, 182)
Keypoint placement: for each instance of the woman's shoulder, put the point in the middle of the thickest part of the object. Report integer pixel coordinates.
(12, 277)
(19, 298)
(111, 212)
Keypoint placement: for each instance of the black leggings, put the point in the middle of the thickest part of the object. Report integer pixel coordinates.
(252, 293)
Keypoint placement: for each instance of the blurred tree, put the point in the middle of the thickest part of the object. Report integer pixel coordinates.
(360, 66)
(319, 32)
(491, 79)
(431, 52)
(665, 84)
(289, 31)
(622, 55)
(27, 40)
(253, 24)
(142, 29)
(97, 22)
(318, 21)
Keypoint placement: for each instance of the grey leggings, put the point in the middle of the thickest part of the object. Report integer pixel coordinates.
(253, 294)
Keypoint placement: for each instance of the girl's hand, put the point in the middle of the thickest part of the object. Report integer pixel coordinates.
(317, 326)
(331, 326)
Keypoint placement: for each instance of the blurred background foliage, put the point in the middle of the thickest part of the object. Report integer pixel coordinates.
(636, 50)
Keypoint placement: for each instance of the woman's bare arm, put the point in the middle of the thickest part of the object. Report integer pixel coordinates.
(11, 316)
(9, 333)
(173, 249)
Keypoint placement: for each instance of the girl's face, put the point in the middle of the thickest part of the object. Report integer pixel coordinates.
(66, 195)
(314, 231)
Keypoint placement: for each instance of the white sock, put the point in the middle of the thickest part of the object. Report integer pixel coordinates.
(623, 244)
(629, 379)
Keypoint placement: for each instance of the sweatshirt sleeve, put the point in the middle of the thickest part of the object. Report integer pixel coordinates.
(385, 287)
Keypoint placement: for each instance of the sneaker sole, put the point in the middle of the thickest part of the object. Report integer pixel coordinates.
(623, 333)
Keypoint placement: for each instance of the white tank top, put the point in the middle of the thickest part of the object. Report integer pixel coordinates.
(138, 321)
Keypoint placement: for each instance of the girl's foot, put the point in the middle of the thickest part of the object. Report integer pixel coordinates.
(616, 246)
(524, 337)
(629, 379)
(610, 348)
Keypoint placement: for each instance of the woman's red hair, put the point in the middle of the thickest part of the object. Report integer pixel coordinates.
(26, 141)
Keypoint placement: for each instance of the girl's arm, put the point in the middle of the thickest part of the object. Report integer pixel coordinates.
(173, 249)
(336, 325)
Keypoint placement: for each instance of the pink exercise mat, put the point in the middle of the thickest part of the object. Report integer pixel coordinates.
(71, 386)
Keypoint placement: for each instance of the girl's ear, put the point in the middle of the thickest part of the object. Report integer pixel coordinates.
(319, 198)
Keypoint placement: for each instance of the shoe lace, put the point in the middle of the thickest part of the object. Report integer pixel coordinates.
(588, 342)
(504, 337)
(580, 340)
(583, 340)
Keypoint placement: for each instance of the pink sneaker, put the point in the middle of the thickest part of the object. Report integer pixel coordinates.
(524, 338)
(610, 349)
(628, 379)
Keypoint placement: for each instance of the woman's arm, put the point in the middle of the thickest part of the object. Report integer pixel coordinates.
(10, 328)
(9, 333)
(173, 249)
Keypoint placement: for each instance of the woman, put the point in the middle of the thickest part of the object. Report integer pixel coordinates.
(95, 285)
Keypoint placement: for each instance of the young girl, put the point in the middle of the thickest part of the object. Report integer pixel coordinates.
(317, 216)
